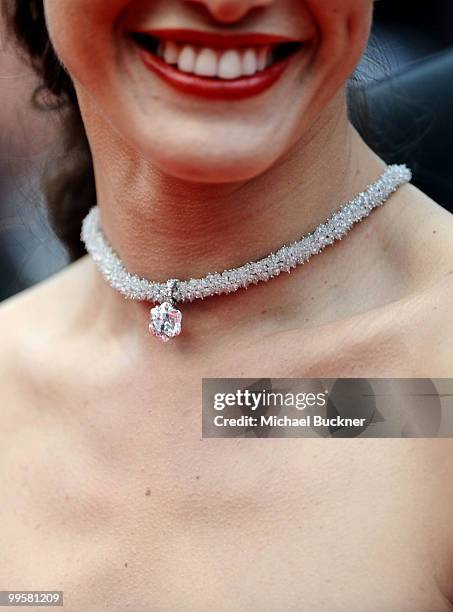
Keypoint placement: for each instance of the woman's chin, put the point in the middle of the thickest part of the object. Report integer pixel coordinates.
(212, 168)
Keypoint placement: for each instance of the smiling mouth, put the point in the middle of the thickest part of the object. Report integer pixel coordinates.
(216, 66)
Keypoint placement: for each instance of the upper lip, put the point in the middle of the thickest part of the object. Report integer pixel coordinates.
(215, 39)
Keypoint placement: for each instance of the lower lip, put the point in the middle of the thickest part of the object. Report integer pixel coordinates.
(217, 89)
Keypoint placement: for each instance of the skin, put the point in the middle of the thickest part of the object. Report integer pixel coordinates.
(109, 492)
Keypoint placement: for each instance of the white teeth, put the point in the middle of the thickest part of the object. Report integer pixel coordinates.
(186, 60)
(206, 64)
(225, 64)
(230, 65)
(171, 52)
(249, 62)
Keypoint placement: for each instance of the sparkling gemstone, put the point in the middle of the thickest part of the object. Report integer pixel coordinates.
(165, 321)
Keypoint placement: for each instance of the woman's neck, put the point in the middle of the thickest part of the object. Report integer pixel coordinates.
(165, 228)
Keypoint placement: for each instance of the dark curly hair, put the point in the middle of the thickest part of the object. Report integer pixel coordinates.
(69, 185)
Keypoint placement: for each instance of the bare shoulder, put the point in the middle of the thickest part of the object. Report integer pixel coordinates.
(34, 320)
(418, 237)
(38, 303)
(422, 230)
(408, 330)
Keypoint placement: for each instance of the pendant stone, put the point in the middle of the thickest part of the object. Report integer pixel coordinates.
(165, 321)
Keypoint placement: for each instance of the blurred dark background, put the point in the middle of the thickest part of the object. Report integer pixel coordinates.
(401, 102)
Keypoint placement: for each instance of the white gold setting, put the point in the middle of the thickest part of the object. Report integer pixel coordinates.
(286, 258)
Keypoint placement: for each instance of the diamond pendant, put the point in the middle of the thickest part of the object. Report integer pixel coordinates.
(165, 321)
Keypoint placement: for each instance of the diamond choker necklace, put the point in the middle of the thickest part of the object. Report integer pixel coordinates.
(165, 318)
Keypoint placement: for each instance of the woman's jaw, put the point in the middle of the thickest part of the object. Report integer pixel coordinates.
(218, 94)
(203, 97)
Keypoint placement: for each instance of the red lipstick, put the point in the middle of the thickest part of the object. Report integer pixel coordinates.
(216, 40)
(214, 87)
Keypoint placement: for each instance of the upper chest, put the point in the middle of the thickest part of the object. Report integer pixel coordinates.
(177, 523)
(109, 490)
